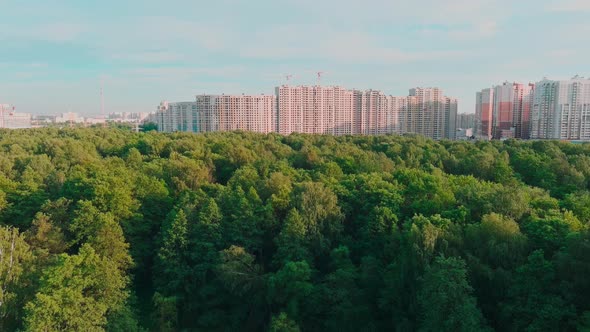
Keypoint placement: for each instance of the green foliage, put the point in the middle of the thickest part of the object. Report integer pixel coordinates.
(76, 294)
(446, 300)
(124, 231)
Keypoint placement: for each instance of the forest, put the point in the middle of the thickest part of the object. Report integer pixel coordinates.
(103, 229)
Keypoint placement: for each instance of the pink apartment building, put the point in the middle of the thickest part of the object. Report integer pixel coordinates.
(504, 111)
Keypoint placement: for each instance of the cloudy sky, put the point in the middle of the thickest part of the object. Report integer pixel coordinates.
(54, 54)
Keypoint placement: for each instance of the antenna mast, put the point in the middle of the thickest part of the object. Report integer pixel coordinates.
(102, 103)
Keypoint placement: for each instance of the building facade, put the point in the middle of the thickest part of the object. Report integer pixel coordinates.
(484, 109)
(561, 110)
(236, 112)
(428, 112)
(314, 110)
(180, 116)
(504, 111)
(376, 113)
(451, 108)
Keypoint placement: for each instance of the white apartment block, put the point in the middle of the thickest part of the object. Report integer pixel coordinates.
(238, 112)
(561, 110)
(376, 113)
(180, 116)
(430, 113)
(451, 108)
(314, 110)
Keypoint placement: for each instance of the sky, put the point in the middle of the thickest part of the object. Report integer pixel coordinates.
(55, 54)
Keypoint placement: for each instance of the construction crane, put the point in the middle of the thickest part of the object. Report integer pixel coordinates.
(320, 73)
(288, 77)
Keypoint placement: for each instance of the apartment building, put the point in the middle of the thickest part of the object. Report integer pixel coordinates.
(451, 108)
(484, 110)
(179, 116)
(376, 113)
(503, 111)
(430, 113)
(561, 109)
(314, 110)
(236, 112)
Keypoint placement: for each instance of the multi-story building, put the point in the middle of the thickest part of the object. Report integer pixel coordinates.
(504, 111)
(376, 113)
(180, 116)
(238, 112)
(314, 110)
(451, 108)
(561, 110)
(428, 112)
(484, 109)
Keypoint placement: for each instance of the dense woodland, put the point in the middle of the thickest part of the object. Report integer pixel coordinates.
(105, 229)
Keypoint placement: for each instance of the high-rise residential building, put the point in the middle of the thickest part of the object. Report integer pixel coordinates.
(523, 105)
(484, 108)
(179, 116)
(376, 113)
(238, 112)
(451, 108)
(428, 112)
(504, 111)
(314, 110)
(511, 110)
(561, 109)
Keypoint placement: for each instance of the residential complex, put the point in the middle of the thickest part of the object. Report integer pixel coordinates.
(316, 109)
(561, 110)
(546, 110)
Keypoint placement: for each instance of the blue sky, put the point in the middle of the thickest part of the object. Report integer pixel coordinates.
(55, 53)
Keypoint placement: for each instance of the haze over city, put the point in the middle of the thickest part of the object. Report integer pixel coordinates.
(54, 55)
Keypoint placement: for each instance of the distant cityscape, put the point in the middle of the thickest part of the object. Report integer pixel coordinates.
(548, 109)
(11, 119)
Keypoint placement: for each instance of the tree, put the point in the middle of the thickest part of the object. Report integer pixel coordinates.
(77, 294)
(282, 323)
(15, 258)
(446, 298)
(535, 300)
(172, 259)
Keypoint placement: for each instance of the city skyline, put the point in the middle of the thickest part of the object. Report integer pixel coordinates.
(55, 55)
